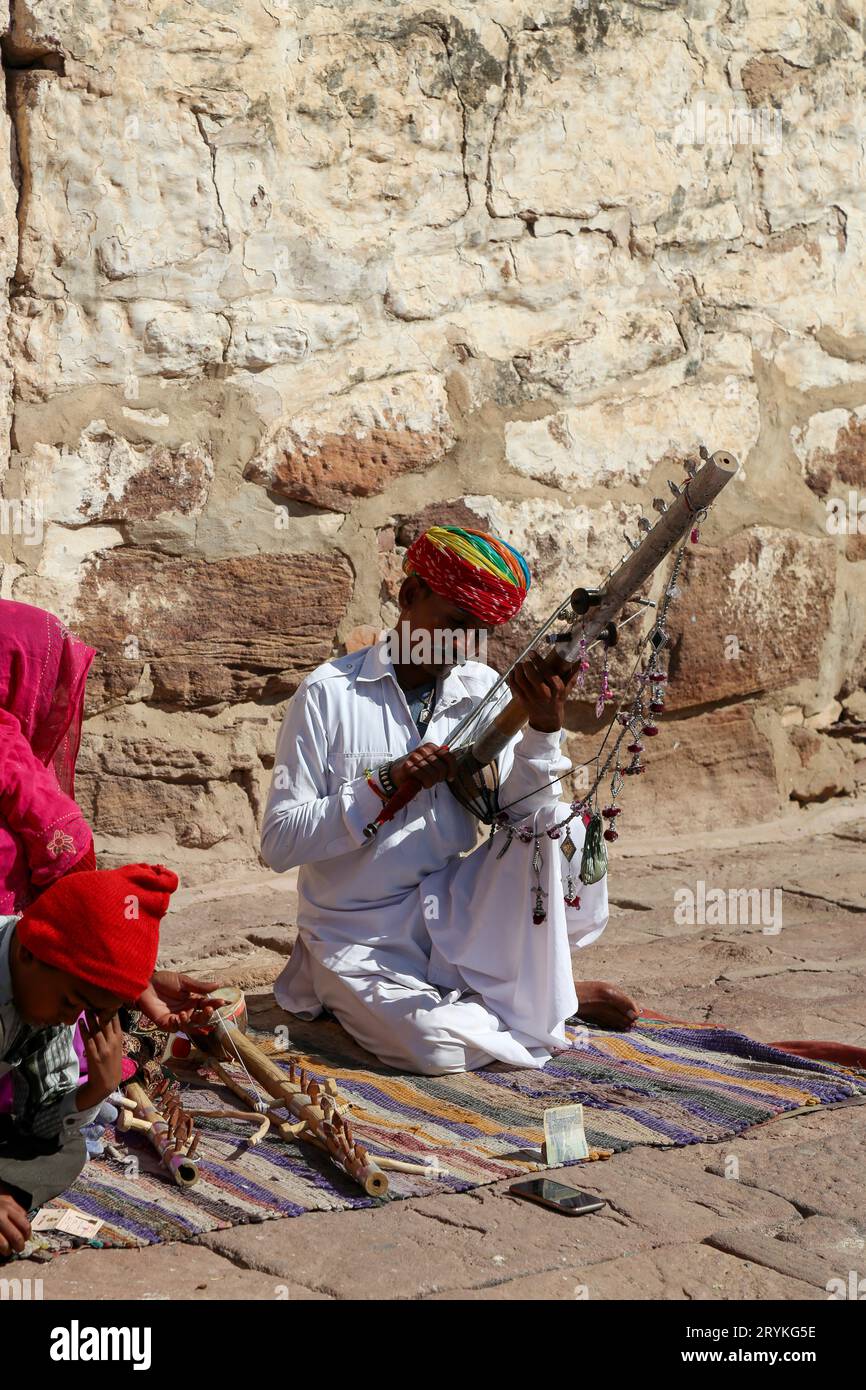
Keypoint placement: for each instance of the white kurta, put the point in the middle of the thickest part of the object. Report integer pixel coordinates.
(426, 954)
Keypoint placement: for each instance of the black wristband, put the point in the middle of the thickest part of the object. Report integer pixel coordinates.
(386, 780)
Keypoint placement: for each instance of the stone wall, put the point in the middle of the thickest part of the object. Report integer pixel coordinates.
(288, 280)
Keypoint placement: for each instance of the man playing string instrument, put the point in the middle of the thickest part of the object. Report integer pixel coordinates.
(422, 946)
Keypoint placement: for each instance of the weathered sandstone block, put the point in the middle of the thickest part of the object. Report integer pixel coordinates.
(106, 478)
(752, 616)
(203, 632)
(355, 445)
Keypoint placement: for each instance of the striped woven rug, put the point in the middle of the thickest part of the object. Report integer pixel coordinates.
(662, 1083)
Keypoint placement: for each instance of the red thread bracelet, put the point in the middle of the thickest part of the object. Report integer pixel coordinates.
(373, 784)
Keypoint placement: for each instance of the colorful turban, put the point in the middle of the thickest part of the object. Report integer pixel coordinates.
(479, 572)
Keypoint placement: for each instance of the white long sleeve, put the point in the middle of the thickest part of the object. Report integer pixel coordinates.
(527, 769)
(302, 823)
(409, 921)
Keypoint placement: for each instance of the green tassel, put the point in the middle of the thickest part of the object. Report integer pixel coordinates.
(593, 864)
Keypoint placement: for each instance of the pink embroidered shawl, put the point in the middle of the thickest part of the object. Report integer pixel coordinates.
(43, 670)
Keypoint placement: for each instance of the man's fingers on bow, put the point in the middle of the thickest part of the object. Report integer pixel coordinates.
(552, 685)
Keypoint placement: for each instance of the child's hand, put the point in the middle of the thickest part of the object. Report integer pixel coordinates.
(172, 1000)
(103, 1047)
(14, 1226)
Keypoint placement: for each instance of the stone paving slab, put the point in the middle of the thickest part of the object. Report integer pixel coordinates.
(451, 1241)
(157, 1273)
(676, 1272)
(787, 1258)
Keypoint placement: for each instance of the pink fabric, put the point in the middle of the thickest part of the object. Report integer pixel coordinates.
(43, 834)
(844, 1053)
(43, 672)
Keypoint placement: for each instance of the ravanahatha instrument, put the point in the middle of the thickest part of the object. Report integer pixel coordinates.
(483, 735)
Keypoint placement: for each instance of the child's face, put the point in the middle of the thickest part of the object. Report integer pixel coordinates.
(45, 997)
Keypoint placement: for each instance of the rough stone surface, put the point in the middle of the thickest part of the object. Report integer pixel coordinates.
(358, 445)
(831, 448)
(109, 479)
(698, 771)
(753, 616)
(161, 1273)
(621, 441)
(208, 631)
(283, 283)
(824, 769)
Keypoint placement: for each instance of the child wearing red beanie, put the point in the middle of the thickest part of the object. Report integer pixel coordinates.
(88, 943)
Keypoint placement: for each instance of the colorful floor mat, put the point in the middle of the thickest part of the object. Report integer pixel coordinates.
(663, 1084)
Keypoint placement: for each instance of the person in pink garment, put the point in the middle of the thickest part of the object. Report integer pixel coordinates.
(43, 831)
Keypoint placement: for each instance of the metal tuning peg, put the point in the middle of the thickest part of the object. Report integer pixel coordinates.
(691, 467)
(644, 524)
(660, 505)
(674, 487)
(632, 545)
(584, 599)
(704, 452)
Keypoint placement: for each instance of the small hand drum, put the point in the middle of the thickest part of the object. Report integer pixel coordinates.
(233, 1013)
(180, 1047)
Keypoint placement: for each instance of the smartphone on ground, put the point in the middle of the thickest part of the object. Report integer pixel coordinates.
(557, 1195)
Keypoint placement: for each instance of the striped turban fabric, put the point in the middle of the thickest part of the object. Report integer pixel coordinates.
(477, 571)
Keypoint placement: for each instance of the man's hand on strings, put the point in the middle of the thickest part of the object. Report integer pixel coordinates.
(429, 763)
(543, 693)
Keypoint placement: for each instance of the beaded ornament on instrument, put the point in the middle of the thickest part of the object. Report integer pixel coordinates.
(634, 720)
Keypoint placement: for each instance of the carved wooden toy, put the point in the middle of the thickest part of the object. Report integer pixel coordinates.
(170, 1133)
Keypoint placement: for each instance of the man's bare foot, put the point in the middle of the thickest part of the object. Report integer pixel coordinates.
(604, 1004)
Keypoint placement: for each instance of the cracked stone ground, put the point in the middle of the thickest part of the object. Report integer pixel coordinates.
(675, 1226)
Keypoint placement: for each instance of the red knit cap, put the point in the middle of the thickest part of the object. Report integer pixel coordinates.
(102, 926)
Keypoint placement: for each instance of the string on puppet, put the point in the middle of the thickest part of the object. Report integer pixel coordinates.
(633, 721)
